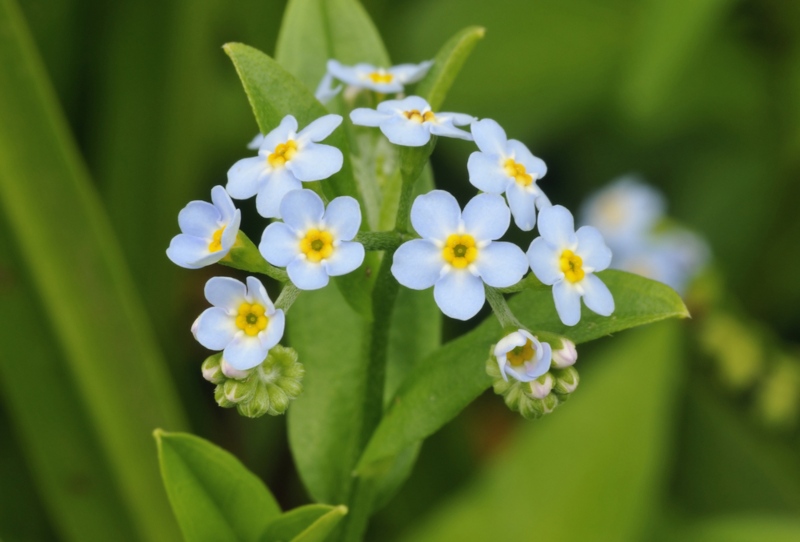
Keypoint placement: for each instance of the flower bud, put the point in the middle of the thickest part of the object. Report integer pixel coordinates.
(565, 356)
(212, 370)
(219, 397)
(541, 387)
(536, 408)
(240, 391)
(232, 372)
(566, 380)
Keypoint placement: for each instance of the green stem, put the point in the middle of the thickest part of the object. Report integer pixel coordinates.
(287, 296)
(501, 309)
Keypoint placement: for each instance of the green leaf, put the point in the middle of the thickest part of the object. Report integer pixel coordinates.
(213, 495)
(77, 268)
(755, 528)
(590, 471)
(311, 523)
(314, 31)
(448, 62)
(453, 376)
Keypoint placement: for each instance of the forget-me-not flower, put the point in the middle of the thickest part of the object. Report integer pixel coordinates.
(208, 231)
(522, 356)
(458, 251)
(410, 122)
(506, 166)
(285, 158)
(567, 260)
(382, 80)
(313, 242)
(243, 322)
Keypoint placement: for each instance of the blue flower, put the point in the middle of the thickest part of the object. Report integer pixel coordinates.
(379, 79)
(314, 243)
(208, 231)
(521, 356)
(567, 260)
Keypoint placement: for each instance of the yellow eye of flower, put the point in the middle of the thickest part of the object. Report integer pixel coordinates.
(517, 170)
(460, 250)
(572, 266)
(416, 116)
(216, 240)
(252, 318)
(519, 355)
(381, 77)
(283, 153)
(317, 245)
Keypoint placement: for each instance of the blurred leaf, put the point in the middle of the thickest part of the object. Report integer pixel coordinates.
(453, 376)
(77, 267)
(311, 523)
(739, 529)
(447, 64)
(593, 470)
(213, 495)
(314, 31)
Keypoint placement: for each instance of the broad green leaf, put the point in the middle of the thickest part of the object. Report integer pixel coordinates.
(77, 268)
(311, 523)
(740, 528)
(213, 495)
(453, 376)
(448, 62)
(314, 31)
(593, 469)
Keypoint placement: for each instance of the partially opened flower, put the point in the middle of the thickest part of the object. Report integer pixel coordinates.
(314, 243)
(506, 166)
(285, 158)
(382, 80)
(567, 260)
(208, 231)
(410, 121)
(243, 322)
(521, 356)
(458, 251)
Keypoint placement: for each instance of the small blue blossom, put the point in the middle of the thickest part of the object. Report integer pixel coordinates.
(458, 251)
(410, 122)
(243, 322)
(521, 356)
(285, 158)
(314, 243)
(567, 260)
(208, 231)
(381, 80)
(325, 90)
(506, 166)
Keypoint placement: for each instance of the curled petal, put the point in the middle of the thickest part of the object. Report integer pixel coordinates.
(435, 215)
(459, 294)
(486, 217)
(223, 202)
(347, 257)
(417, 264)
(597, 296)
(501, 264)
(307, 275)
(230, 233)
(343, 217)
(568, 302)
(215, 329)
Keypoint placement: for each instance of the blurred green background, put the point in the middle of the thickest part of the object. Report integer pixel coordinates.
(700, 97)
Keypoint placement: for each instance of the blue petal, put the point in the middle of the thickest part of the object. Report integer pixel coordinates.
(307, 275)
(592, 249)
(258, 294)
(568, 302)
(557, 227)
(410, 73)
(457, 119)
(597, 296)
(302, 209)
(223, 202)
(343, 218)
(191, 252)
(245, 352)
(501, 264)
(279, 244)
(411, 103)
(459, 294)
(315, 162)
(533, 165)
(246, 176)
(489, 136)
(486, 217)
(320, 128)
(274, 332)
(231, 231)
(343, 73)
(285, 131)
(447, 129)
(417, 264)
(225, 292)
(368, 117)
(215, 328)
(523, 205)
(199, 219)
(544, 261)
(435, 215)
(405, 132)
(280, 183)
(487, 174)
(347, 257)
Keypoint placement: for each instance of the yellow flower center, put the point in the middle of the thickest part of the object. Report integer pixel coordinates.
(517, 170)
(317, 245)
(460, 250)
(283, 153)
(216, 240)
(381, 77)
(572, 266)
(416, 116)
(251, 318)
(519, 355)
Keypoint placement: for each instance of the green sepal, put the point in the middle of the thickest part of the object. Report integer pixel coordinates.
(212, 370)
(567, 380)
(244, 255)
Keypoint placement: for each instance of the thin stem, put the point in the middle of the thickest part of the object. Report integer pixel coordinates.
(287, 296)
(501, 309)
(381, 240)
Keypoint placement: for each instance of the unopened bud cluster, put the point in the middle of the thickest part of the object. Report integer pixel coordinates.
(267, 388)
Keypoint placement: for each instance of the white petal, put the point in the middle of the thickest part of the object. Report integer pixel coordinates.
(199, 219)
(487, 174)
(268, 200)
(435, 215)
(592, 249)
(533, 165)
(544, 261)
(489, 136)
(225, 292)
(279, 244)
(315, 162)
(459, 294)
(447, 129)
(501, 264)
(568, 302)
(302, 209)
(343, 218)
(307, 275)
(557, 227)
(245, 352)
(320, 128)
(597, 296)
(541, 365)
(215, 329)
(486, 217)
(274, 332)
(285, 131)
(347, 257)
(368, 117)
(523, 206)
(191, 252)
(417, 264)
(246, 176)
(405, 132)
(410, 73)
(223, 202)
